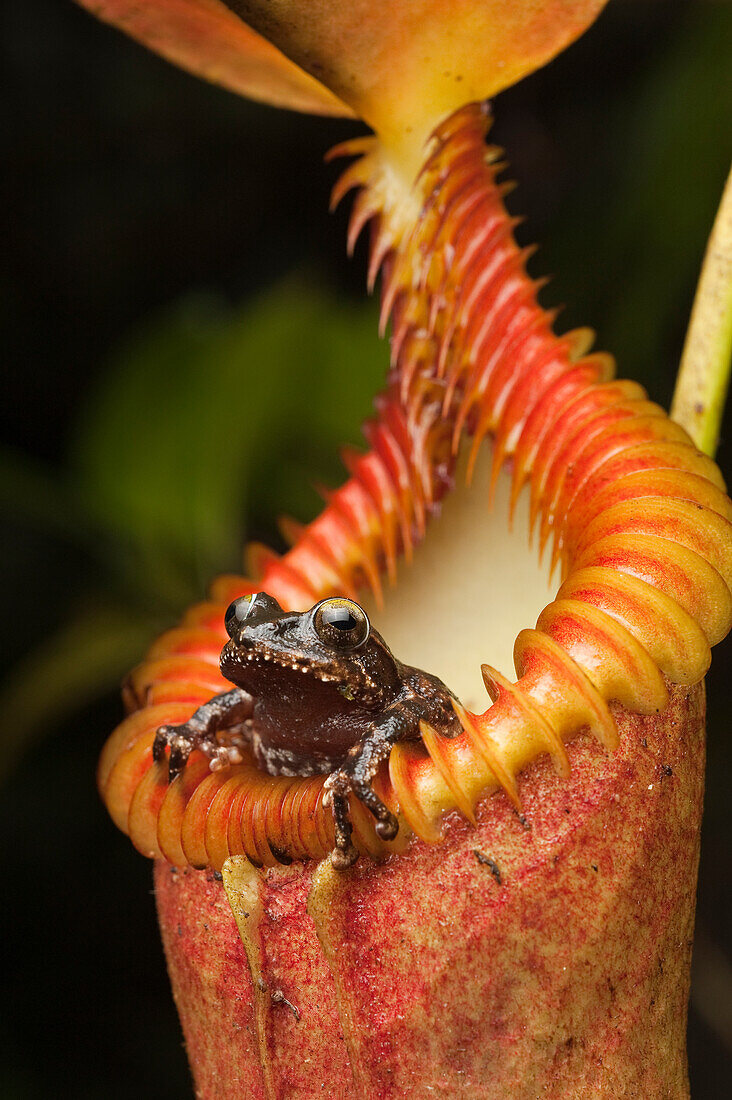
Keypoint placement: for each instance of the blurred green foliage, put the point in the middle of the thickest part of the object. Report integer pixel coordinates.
(648, 220)
(211, 413)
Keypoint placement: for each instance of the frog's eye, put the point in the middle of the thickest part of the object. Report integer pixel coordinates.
(237, 612)
(341, 623)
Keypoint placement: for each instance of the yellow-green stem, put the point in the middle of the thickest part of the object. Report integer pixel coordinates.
(701, 386)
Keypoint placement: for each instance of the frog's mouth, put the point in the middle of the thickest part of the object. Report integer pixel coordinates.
(248, 661)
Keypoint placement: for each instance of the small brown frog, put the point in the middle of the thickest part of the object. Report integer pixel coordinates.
(317, 692)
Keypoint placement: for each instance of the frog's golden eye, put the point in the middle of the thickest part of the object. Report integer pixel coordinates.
(237, 612)
(341, 623)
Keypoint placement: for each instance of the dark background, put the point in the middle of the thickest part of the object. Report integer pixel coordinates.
(158, 234)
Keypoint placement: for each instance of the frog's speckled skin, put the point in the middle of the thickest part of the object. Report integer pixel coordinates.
(309, 703)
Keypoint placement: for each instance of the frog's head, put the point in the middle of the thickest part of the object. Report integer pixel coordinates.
(330, 647)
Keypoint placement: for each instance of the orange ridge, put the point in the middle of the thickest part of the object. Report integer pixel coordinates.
(637, 519)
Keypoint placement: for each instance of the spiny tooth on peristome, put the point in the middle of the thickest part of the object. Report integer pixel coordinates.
(472, 586)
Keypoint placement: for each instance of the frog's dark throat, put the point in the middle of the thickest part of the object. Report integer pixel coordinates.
(317, 692)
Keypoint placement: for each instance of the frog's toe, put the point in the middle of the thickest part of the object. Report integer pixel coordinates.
(162, 735)
(180, 739)
(343, 858)
(387, 827)
(223, 756)
(180, 750)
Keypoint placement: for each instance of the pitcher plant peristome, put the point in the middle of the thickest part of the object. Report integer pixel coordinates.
(639, 526)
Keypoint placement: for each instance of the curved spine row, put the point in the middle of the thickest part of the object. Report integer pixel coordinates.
(636, 518)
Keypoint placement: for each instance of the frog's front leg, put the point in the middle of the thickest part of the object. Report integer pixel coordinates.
(224, 711)
(356, 775)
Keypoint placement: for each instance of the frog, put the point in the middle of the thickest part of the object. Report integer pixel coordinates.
(316, 692)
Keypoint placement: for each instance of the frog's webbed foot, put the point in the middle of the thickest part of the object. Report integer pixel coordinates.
(222, 712)
(355, 776)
